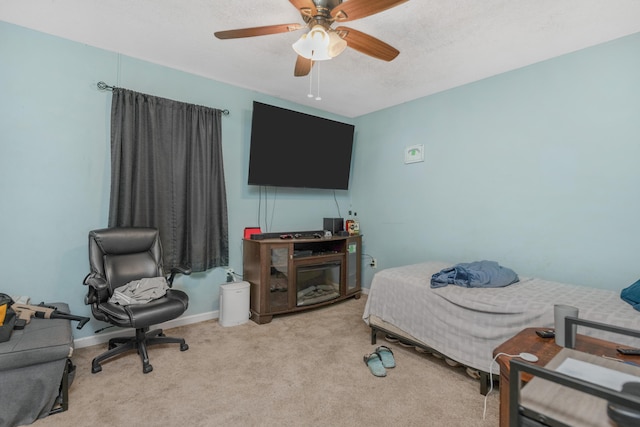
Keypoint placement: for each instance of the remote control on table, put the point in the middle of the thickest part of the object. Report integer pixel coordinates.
(547, 333)
(629, 351)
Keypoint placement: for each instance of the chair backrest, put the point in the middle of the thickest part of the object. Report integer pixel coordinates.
(123, 254)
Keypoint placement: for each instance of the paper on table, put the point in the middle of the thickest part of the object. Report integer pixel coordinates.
(605, 377)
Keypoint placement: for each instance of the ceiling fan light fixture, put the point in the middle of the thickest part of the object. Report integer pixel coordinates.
(314, 45)
(336, 44)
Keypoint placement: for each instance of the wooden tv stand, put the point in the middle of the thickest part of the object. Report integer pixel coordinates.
(291, 275)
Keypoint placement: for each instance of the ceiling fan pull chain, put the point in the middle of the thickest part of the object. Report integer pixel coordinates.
(318, 97)
(310, 94)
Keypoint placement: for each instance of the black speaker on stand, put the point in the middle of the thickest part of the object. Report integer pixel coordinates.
(334, 225)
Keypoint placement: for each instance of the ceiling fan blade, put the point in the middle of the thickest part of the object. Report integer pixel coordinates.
(303, 66)
(356, 9)
(367, 44)
(257, 31)
(305, 7)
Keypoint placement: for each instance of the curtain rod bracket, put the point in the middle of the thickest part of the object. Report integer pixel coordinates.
(104, 86)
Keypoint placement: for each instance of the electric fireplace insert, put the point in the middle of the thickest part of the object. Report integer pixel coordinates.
(318, 282)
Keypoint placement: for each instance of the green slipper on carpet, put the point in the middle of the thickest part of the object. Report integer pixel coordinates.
(386, 356)
(374, 363)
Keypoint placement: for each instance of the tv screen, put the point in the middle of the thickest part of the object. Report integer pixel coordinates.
(293, 149)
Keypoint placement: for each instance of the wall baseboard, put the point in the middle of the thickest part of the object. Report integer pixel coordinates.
(181, 321)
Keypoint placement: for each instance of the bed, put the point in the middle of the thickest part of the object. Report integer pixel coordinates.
(465, 325)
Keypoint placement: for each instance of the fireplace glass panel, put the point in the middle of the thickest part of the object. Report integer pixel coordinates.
(318, 283)
(352, 269)
(278, 282)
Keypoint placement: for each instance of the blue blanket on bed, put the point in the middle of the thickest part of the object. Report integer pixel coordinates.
(631, 294)
(478, 274)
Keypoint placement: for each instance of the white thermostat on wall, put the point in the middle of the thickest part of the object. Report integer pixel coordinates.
(414, 153)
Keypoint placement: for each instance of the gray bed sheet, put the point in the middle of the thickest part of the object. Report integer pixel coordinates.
(467, 324)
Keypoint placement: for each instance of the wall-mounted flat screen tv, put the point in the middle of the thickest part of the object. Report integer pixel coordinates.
(293, 149)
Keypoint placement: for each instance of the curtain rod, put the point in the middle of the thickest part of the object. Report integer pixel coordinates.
(104, 86)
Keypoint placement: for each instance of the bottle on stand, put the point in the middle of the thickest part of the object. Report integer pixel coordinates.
(348, 225)
(356, 224)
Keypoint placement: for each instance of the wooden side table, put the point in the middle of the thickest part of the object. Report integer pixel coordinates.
(527, 341)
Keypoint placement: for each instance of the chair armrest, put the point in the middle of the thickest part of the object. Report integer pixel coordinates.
(176, 270)
(97, 285)
(97, 282)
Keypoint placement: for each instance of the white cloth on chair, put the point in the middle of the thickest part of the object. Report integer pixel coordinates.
(140, 291)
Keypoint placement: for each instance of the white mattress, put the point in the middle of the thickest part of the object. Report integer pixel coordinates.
(467, 324)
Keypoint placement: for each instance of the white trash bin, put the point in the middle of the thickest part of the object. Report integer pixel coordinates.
(234, 303)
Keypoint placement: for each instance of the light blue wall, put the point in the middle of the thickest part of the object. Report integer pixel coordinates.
(536, 169)
(54, 164)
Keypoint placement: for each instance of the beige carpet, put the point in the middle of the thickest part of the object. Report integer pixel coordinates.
(304, 369)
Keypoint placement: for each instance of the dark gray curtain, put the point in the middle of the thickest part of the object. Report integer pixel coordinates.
(167, 172)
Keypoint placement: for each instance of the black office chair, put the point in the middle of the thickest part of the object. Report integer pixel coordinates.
(118, 256)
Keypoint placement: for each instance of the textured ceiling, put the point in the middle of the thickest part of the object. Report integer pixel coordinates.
(442, 44)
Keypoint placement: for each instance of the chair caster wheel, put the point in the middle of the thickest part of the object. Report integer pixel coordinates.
(184, 347)
(147, 368)
(95, 369)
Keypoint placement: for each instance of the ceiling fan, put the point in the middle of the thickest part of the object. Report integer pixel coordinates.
(322, 41)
